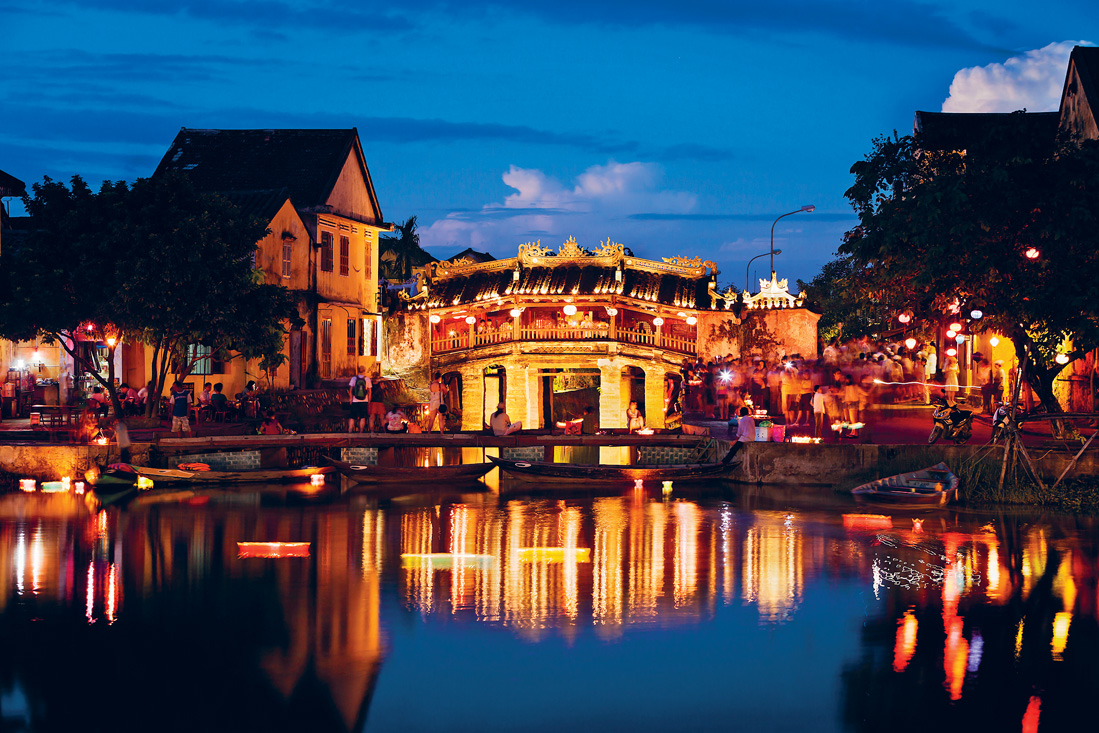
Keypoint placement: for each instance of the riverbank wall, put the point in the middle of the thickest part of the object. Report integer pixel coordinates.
(763, 463)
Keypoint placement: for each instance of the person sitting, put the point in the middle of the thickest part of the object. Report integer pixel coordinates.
(501, 424)
(270, 425)
(634, 419)
(590, 426)
(99, 401)
(395, 421)
(246, 399)
(204, 396)
(219, 403)
(745, 433)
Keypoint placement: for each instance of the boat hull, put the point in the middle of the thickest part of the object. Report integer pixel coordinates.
(575, 475)
(176, 477)
(390, 475)
(932, 487)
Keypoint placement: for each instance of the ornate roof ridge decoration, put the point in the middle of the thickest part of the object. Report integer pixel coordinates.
(774, 294)
(464, 265)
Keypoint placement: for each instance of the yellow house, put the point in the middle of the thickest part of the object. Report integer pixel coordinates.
(314, 189)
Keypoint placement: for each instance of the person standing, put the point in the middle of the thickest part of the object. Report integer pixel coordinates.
(437, 388)
(360, 389)
(983, 374)
(997, 381)
(819, 400)
(181, 407)
(950, 374)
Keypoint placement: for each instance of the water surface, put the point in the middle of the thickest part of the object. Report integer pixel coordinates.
(463, 610)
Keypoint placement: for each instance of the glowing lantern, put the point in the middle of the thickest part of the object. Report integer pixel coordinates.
(434, 318)
(1061, 359)
(111, 341)
(26, 484)
(144, 482)
(570, 310)
(52, 487)
(960, 338)
(78, 488)
(515, 312)
(667, 487)
(951, 333)
(658, 321)
(976, 314)
(1032, 253)
(611, 311)
(638, 484)
(66, 482)
(904, 317)
(317, 479)
(910, 342)
(994, 341)
(955, 327)
(691, 320)
(951, 351)
(470, 320)
(91, 327)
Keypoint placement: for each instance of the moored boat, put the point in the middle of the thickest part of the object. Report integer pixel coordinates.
(459, 472)
(175, 476)
(931, 487)
(578, 475)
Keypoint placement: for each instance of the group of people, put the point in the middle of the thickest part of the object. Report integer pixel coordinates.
(843, 385)
(361, 390)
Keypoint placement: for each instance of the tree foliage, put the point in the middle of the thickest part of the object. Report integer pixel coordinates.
(399, 253)
(938, 229)
(157, 263)
(846, 311)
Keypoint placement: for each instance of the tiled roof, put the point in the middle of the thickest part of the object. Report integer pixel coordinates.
(263, 204)
(10, 185)
(573, 280)
(306, 163)
(1035, 132)
(1086, 59)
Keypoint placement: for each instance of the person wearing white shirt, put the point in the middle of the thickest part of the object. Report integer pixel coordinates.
(745, 433)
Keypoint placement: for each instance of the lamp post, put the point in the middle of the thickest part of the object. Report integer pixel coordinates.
(810, 208)
(773, 252)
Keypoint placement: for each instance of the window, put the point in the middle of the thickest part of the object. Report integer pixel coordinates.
(352, 336)
(345, 256)
(326, 347)
(286, 252)
(326, 251)
(205, 361)
(366, 343)
(366, 258)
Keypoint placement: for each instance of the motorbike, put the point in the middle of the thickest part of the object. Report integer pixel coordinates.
(951, 422)
(1001, 420)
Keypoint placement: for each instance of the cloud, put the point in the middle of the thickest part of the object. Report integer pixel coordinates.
(1031, 81)
(907, 22)
(600, 200)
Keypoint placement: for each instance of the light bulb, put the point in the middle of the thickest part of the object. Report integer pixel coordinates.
(994, 341)
(658, 321)
(570, 310)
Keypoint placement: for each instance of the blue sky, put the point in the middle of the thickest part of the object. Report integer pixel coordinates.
(676, 128)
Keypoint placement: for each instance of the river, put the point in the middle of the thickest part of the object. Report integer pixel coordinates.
(722, 609)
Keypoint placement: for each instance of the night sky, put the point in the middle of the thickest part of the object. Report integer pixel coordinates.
(675, 127)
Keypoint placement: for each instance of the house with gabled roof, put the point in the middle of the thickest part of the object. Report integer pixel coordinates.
(314, 189)
(1080, 97)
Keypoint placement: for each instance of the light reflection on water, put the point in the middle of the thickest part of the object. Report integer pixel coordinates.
(972, 605)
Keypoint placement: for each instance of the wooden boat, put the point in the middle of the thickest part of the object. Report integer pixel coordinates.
(580, 475)
(454, 473)
(175, 476)
(931, 487)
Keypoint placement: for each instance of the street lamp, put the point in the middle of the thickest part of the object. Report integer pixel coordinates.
(773, 252)
(809, 208)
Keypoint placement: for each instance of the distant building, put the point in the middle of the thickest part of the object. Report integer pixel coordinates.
(314, 190)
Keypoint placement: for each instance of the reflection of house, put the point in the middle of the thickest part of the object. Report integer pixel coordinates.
(314, 190)
(527, 329)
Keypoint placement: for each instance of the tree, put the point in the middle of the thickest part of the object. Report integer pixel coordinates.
(1010, 230)
(399, 254)
(846, 312)
(156, 263)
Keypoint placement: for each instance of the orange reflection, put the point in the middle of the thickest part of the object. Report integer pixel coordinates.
(610, 521)
(685, 569)
(1061, 623)
(273, 550)
(1030, 717)
(773, 566)
(905, 645)
(867, 521)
